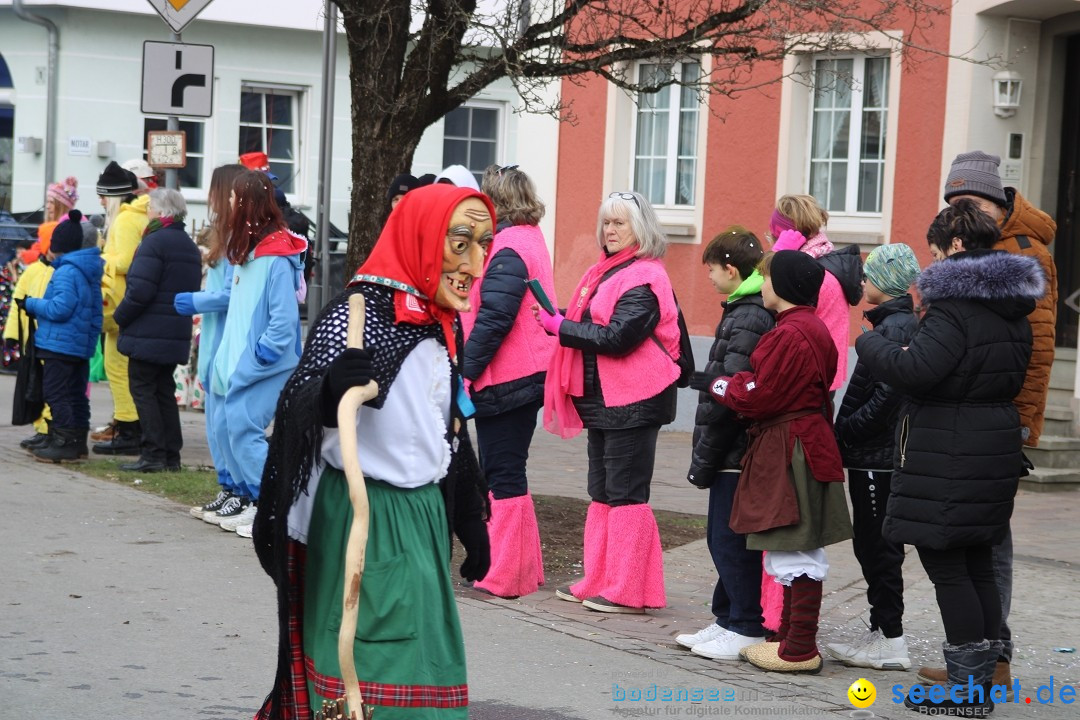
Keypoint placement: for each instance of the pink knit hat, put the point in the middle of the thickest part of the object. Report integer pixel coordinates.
(66, 193)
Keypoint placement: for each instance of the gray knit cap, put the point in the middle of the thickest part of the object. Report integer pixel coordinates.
(976, 173)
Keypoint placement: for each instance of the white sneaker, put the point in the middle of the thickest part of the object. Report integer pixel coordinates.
(246, 531)
(247, 517)
(879, 653)
(839, 651)
(689, 640)
(726, 646)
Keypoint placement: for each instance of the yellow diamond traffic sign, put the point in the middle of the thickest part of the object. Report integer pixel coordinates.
(178, 13)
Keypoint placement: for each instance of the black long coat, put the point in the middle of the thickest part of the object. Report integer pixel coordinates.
(958, 444)
(866, 424)
(719, 433)
(167, 262)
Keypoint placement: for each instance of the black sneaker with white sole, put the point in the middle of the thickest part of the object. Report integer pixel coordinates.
(212, 506)
(229, 509)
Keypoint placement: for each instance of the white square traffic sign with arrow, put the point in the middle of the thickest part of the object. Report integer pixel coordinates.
(178, 13)
(178, 79)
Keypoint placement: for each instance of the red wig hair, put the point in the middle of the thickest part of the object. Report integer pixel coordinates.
(254, 215)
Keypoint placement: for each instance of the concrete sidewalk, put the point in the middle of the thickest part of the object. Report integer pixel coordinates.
(536, 657)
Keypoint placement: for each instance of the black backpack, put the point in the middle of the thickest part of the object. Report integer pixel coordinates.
(846, 266)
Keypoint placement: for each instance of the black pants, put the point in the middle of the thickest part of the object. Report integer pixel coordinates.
(737, 596)
(154, 392)
(881, 561)
(621, 464)
(504, 441)
(967, 594)
(63, 383)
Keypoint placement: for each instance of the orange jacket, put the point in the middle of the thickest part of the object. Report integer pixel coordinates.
(1027, 221)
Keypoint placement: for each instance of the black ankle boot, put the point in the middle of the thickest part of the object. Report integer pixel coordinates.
(970, 668)
(39, 440)
(125, 441)
(67, 445)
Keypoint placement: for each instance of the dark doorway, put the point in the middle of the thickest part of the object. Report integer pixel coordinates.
(1066, 253)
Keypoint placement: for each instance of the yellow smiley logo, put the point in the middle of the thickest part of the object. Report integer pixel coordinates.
(862, 693)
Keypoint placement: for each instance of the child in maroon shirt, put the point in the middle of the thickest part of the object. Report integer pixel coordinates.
(789, 500)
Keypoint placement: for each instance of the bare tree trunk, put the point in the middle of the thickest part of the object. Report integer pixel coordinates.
(386, 120)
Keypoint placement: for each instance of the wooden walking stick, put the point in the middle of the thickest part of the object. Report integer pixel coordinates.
(356, 546)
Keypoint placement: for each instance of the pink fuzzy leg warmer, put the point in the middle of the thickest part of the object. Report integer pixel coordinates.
(517, 565)
(772, 599)
(635, 560)
(596, 534)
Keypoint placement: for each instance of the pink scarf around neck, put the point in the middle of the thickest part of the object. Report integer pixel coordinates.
(566, 374)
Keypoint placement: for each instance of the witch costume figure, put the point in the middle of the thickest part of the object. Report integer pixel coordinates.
(422, 476)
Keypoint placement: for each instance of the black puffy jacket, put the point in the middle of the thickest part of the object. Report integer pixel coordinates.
(636, 315)
(866, 424)
(719, 433)
(958, 450)
(166, 262)
(846, 265)
(501, 296)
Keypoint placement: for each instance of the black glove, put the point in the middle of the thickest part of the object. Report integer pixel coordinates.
(473, 535)
(21, 302)
(702, 381)
(700, 477)
(349, 369)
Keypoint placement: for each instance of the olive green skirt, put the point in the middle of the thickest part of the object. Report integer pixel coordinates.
(409, 652)
(823, 513)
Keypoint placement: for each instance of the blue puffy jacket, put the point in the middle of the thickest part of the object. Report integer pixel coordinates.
(69, 316)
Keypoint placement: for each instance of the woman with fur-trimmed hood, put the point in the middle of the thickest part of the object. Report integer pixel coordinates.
(958, 456)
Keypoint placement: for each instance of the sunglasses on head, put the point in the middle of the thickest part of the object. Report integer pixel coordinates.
(506, 168)
(625, 196)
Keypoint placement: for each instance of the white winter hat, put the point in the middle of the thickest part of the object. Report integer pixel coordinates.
(459, 175)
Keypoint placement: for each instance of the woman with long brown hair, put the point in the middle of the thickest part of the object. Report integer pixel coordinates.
(213, 304)
(260, 342)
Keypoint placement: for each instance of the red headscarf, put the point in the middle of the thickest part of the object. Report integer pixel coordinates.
(409, 254)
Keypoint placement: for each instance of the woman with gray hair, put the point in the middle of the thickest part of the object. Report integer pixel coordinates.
(614, 373)
(153, 336)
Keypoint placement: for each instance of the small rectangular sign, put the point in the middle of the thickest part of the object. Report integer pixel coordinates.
(79, 146)
(166, 148)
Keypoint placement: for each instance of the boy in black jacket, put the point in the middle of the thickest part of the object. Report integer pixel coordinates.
(719, 443)
(865, 428)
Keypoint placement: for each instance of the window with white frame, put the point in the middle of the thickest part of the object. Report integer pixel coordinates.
(191, 175)
(665, 134)
(269, 123)
(848, 133)
(471, 137)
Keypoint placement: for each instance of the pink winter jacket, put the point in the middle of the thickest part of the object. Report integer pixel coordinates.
(834, 311)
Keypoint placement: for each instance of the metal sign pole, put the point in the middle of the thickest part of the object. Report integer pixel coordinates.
(172, 177)
(326, 159)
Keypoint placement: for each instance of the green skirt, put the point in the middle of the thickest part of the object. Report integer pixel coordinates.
(409, 653)
(823, 513)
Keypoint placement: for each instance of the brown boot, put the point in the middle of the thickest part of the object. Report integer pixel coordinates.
(937, 676)
(105, 434)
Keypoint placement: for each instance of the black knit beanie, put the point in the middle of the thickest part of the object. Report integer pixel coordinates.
(115, 180)
(68, 234)
(796, 277)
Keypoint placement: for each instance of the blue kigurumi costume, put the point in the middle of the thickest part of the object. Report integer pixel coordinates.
(260, 346)
(213, 304)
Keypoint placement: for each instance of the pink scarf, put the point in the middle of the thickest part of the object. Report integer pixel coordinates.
(566, 374)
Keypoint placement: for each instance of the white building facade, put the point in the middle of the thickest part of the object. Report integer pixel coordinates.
(266, 96)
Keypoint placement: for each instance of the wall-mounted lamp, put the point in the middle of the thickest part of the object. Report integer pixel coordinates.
(1007, 87)
(28, 144)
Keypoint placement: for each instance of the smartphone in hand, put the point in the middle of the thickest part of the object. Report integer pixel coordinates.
(541, 296)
